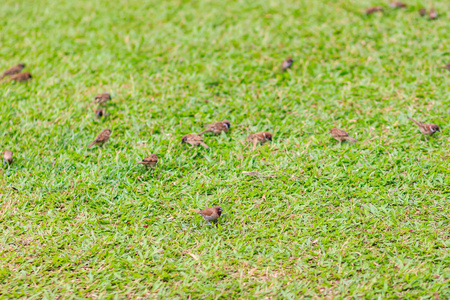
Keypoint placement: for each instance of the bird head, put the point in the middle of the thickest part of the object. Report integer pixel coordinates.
(219, 210)
(267, 135)
(227, 123)
(434, 128)
(100, 112)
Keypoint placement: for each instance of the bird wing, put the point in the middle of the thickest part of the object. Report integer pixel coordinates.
(340, 133)
(149, 159)
(197, 138)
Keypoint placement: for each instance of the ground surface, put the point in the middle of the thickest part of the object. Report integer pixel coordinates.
(324, 220)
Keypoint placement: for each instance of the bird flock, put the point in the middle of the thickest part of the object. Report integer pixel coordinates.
(432, 14)
(213, 213)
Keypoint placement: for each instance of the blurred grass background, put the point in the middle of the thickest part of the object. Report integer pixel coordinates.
(326, 220)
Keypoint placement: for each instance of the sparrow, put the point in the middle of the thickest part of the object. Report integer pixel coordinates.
(100, 112)
(374, 9)
(8, 155)
(397, 4)
(150, 161)
(447, 66)
(210, 214)
(432, 14)
(13, 70)
(422, 12)
(194, 140)
(102, 98)
(340, 135)
(102, 138)
(260, 137)
(426, 128)
(21, 77)
(217, 127)
(287, 64)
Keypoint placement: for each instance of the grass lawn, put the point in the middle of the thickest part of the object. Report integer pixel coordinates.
(365, 220)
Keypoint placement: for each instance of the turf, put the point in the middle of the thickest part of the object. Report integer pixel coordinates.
(365, 220)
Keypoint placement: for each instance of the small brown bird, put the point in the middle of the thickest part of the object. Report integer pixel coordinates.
(193, 140)
(374, 9)
(102, 138)
(340, 135)
(432, 14)
(100, 112)
(102, 98)
(21, 77)
(150, 161)
(260, 137)
(422, 12)
(426, 128)
(210, 214)
(447, 66)
(217, 127)
(287, 64)
(397, 4)
(13, 70)
(8, 155)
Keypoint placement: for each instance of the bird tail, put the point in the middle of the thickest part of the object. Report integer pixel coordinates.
(350, 139)
(417, 122)
(141, 162)
(195, 210)
(204, 145)
(91, 144)
(203, 132)
(255, 142)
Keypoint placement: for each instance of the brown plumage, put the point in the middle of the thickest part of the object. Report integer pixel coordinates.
(13, 70)
(102, 138)
(447, 66)
(259, 138)
(340, 135)
(193, 140)
(433, 14)
(8, 156)
(426, 128)
(374, 9)
(217, 127)
(100, 112)
(397, 4)
(422, 12)
(102, 98)
(21, 77)
(210, 214)
(287, 64)
(150, 161)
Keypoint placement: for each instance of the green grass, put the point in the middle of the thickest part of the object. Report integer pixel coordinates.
(368, 220)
